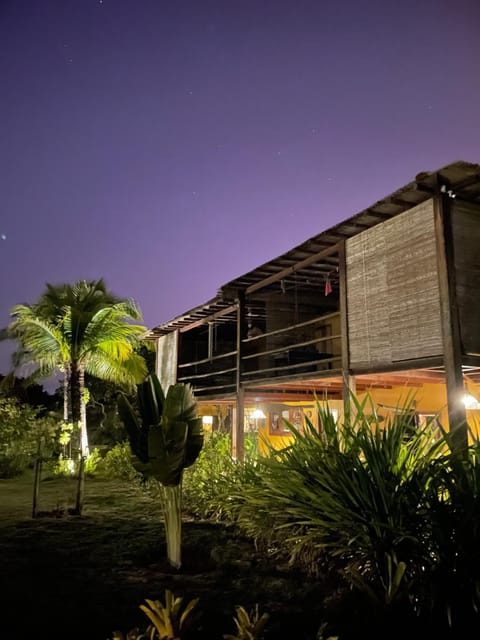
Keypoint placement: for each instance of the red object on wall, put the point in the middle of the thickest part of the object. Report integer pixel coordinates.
(328, 286)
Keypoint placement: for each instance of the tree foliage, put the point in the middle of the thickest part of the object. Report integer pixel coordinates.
(77, 329)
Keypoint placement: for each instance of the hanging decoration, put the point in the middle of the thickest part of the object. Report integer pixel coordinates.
(328, 286)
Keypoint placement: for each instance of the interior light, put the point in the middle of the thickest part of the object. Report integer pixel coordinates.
(207, 421)
(470, 402)
(258, 414)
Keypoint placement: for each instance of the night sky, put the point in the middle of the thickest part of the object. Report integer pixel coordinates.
(168, 146)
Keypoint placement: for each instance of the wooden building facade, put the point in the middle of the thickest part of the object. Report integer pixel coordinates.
(386, 300)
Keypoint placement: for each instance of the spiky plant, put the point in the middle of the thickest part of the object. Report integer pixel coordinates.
(250, 625)
(354, 492)
(166, 437)
(450, 587)
(169, 620)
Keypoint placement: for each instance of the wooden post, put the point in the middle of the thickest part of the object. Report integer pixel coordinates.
(238, 449)
(80, 487)
(349, 386)
(452, 350)
(210, 341)
(36, 485)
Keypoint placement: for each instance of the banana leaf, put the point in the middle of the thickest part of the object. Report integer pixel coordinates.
(166, 435)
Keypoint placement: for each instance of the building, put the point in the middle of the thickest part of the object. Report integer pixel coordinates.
(386, 302)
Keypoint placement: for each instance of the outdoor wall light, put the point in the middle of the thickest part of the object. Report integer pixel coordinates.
(470, 402)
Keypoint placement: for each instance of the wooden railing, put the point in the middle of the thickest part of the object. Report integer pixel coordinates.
(291, 351)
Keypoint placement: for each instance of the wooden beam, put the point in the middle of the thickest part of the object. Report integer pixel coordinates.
(290, 270)
(349, 387)
(238, 448)
(405, 365)
(214, 316)
(452, 352)
(465, 183)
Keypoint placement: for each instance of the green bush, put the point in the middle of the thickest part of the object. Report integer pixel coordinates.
(23, 436)
(117, 463)
(208, 486)
(353, 494)
(66, 466)
(92, 462)
(449, 586)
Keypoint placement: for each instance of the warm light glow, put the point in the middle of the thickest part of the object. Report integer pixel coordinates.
(207, 421)
(258, 414)
(470, 402)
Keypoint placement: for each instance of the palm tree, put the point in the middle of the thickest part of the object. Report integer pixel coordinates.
(77, 329)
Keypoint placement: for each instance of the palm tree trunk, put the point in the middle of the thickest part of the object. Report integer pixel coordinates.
(66, 415)
(75, 395)
(172, 513)
(83, 419)
(65, 396)
(77, 386)
(83, 415)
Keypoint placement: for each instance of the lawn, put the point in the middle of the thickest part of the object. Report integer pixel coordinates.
(71, 577)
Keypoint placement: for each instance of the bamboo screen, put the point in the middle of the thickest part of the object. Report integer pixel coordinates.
(167, 356)
(392, 291)
(466, 235)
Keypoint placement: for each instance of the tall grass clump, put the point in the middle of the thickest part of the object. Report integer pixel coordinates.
(450, 588)
(390, 512)
(351, 495)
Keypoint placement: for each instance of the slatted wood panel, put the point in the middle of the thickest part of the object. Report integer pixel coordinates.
(167, 356)
(392, 291)
(466, 239)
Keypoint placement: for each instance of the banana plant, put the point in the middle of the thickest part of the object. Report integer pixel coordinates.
(166, 437)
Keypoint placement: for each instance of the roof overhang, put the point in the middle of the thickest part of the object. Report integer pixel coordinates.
(461, 179)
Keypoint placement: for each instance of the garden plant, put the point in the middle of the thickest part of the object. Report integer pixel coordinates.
(166, 437)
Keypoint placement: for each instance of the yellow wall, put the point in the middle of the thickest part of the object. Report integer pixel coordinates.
(281, 440)
(429, 399)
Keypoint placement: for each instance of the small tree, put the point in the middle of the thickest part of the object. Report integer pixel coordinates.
(166, 437)
(79, 328)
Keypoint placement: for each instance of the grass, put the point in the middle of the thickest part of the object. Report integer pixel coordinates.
(71, 577)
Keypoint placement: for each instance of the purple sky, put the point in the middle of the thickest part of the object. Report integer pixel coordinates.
(168, 146)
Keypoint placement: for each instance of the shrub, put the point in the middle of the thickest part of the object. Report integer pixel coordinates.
(66, 466)
(172, 619)
(353, 494)
(117, 462)
(208, 486)
(92, 461)
(23, 436)
(449, 587)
